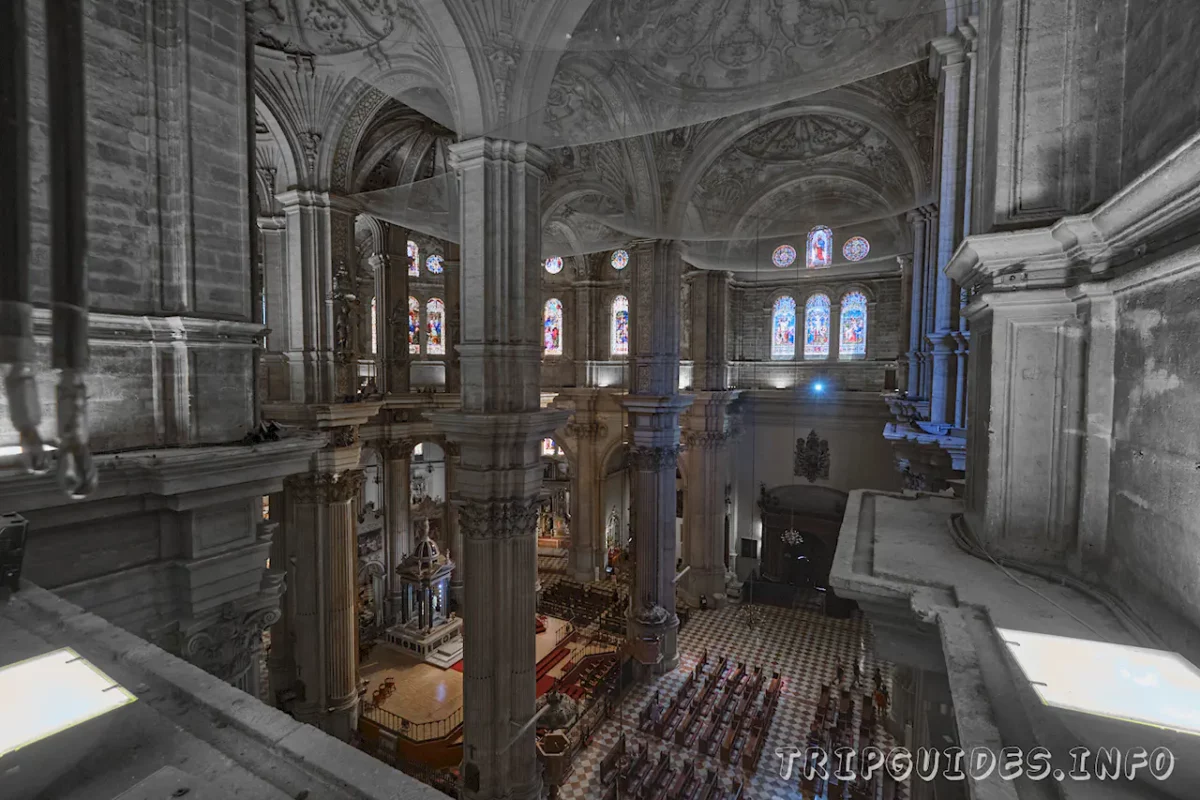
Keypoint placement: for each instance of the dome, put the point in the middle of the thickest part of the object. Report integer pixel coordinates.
(426, 551)
(425, 562)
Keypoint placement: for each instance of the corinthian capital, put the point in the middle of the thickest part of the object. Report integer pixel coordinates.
(315, 488)
(498, 519)
(653, 458)
(396, 449)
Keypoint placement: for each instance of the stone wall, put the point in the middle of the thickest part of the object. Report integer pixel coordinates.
(168, 247)
(1153, 528)
(1162, 106)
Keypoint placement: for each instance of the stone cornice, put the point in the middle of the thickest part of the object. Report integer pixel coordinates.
(1086, 246)
(104, 326)
(169, 473)
(321, 415)
(883, 266)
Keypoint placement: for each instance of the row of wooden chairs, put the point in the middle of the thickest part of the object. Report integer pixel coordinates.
(637, 776)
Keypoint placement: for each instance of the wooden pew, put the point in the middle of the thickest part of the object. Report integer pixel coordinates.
(608, 766)
(738, 791)
(655, 776)
(709, 788)
(630, 771)
(685, 777)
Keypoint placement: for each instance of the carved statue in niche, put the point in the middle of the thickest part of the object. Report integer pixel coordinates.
(612, 528)
(812, 458)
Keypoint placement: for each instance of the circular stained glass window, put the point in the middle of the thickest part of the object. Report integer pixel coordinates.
(554, 265)
(434, 264)
(856, 249)
(620, 259)
(784, 256)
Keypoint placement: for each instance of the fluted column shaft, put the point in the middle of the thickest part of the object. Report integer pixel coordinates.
(950, 218)
(705, 463)
(322, 573)
(917, 220)
(497, 485)
(710, 319)
(397, 505)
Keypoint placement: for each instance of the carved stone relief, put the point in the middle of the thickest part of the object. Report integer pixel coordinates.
(225, 648)
(812, 458)
(498, 519)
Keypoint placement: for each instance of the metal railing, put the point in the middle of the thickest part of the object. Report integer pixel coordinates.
(416, 732)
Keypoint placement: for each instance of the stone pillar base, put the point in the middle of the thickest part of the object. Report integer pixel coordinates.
(654, 632)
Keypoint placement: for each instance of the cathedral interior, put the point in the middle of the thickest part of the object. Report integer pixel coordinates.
(590, 399)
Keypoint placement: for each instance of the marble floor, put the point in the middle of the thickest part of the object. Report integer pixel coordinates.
(803, 645)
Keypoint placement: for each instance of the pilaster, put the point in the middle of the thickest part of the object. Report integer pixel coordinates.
(705, 461)
(587, 433)
(393, 311)
(397, 455)
(322, 527)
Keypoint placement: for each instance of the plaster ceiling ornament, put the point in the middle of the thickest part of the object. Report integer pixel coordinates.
(326, 27)
(856, 248)
(812, 458)
(554, 265)
(784, 256)
(798, 139)
(682, 63)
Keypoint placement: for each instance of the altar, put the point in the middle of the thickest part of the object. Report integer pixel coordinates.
(426, 629)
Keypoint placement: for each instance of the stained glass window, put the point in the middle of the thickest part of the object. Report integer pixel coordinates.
(620, 260)
(854, 325)
(414, 325)
(548, 447)
(435, 321)
(266, 506)
(552, 323)
(856, 249)
(434, 264)
(414, 260)
(554, 265)
(816, 327)
(783, 329)
(620, 325)
(784, 256)
(374, 327)
(820, 247)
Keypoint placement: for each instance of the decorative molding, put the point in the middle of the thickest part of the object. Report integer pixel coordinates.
(498, 519)
(323, 488)
(710, 439)
(812, 458)
(396, 449)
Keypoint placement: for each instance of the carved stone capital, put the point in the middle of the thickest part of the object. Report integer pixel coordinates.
(343, 436)
(225, 648)
(498, 519)
(706, 439)
(322, 488)
(396, 449)
(649, 459)
(586, 430)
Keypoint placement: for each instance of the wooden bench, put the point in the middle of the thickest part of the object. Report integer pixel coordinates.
(608, 765)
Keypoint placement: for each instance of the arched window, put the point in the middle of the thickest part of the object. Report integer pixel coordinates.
(414, 325)
(435, 323)
(374, 327)
(854, 325)
(434, 265)
(783, 329)
(816, 327)
(414, 260)
(820, 247)
(552, 323)
(620, 325)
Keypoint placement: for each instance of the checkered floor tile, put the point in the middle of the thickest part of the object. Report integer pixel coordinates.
(804, 646)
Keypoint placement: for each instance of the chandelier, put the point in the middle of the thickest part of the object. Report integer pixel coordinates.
(792, 537)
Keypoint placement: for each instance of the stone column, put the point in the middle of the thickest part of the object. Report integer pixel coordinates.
(281, 663)
(950, 215)
(453, 530)
(710, 315)
(393, 312)
(589, 548)
(323, 531)
(927, 302)
(653, 407)
(584, 349)
(397, 456)
(917, 220)
(497, 486)
(705, 462)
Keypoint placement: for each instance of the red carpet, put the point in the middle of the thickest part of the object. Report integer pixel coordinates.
(544, 685)
(457, 666)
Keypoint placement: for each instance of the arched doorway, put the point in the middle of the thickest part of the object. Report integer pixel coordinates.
(800, 534)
